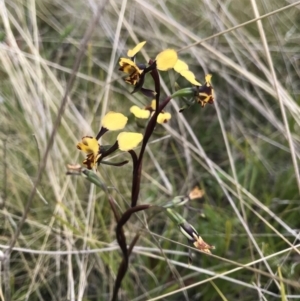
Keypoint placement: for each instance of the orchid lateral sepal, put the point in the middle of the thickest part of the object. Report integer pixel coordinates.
(109, 151)
(139, 85)
(148, 92)
(117, 164)
(104, 148)
(184, 108)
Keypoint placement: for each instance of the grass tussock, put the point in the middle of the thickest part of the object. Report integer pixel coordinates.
(243, 151)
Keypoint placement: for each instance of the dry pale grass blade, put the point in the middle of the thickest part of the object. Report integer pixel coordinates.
(277, 90)
(113, 58)
(166, 182)
(234, 173)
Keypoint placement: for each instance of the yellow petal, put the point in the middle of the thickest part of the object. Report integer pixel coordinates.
(113, 121)
(127, 141)
(180, 66)
(136, 49)
(153, 104)
(208, 79)
(124, 60)
(89, 145)
(139, 113)
(189, 75)
(163, 117)
(166, 59)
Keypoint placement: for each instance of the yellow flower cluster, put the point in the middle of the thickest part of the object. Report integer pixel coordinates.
(112, 121)
(164, 61)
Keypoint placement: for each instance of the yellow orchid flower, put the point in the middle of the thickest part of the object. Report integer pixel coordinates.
(112, 121)
(206, 95)
(129, 67)
(91, 147)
